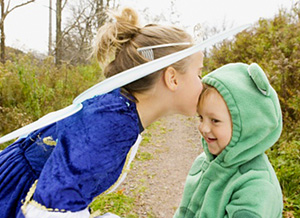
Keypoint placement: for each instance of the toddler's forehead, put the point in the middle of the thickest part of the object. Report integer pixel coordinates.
(208, 94)
(211, 96)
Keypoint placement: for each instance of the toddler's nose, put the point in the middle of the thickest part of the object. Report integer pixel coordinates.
(203, 128)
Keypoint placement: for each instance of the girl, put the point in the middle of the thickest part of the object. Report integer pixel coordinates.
(56, 171)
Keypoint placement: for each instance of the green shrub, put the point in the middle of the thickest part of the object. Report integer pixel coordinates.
(31, 88)
(285, 157)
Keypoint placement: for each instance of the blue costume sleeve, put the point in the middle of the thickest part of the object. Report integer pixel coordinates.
(90, 154)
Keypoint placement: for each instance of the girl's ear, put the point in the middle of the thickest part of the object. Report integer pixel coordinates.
(171, 78)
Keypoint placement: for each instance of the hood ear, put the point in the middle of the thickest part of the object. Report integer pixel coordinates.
(259, 78)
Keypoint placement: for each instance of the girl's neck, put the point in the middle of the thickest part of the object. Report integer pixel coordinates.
(155, 103)
(150, 109)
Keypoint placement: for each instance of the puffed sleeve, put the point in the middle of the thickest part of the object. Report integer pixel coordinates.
(89, 157)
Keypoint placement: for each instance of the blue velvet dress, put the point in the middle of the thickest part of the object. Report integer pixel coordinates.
(72, 160)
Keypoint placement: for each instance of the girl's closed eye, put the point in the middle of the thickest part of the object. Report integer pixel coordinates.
(200, 73)
(200, 118)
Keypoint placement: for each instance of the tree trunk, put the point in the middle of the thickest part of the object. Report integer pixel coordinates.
(4, 13)
(58, 49)
(99, 12)
(50, 29)
(2, 44)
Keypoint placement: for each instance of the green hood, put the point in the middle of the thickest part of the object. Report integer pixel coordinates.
(254, 108)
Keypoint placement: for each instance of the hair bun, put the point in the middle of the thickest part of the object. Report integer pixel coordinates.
(128, 15)
(117, 31)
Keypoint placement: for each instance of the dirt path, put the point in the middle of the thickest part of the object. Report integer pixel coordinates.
(159, 171)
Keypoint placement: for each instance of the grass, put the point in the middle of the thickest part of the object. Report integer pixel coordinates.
(116, 203)
(144, 156)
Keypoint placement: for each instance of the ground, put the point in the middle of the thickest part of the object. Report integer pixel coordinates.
(158, 173)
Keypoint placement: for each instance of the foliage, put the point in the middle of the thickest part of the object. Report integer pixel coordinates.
(286, 161)
(31, 88)
(274, 44)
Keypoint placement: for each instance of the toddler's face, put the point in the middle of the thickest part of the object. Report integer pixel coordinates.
(215, 121)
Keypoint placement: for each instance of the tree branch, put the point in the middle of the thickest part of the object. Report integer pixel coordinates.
(17, 6)
(7, 7)
(66, 31)
(64, 4)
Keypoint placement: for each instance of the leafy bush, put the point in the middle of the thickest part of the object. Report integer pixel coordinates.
(274, 44)
(286, 161)
(31, 88)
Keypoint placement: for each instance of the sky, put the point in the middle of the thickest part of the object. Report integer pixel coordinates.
(26, 28)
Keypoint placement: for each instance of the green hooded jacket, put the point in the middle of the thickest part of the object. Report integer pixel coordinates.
(240, 182)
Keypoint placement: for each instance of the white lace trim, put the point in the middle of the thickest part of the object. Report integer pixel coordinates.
(35, 212)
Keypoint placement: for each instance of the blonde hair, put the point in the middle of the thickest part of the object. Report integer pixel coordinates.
(120, 38)
(206, 91)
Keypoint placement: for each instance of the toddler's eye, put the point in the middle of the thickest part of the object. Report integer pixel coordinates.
(215, 120)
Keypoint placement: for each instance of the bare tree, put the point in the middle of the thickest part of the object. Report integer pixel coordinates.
(204, 31)
(175, 16)
(150, 18)
(50, 29)
(100, 12)
(58, 47)
(5, 10)
(168, 15)
(86, 17)
(59, 33)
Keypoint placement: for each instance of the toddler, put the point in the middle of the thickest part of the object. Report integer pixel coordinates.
(240, 118)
